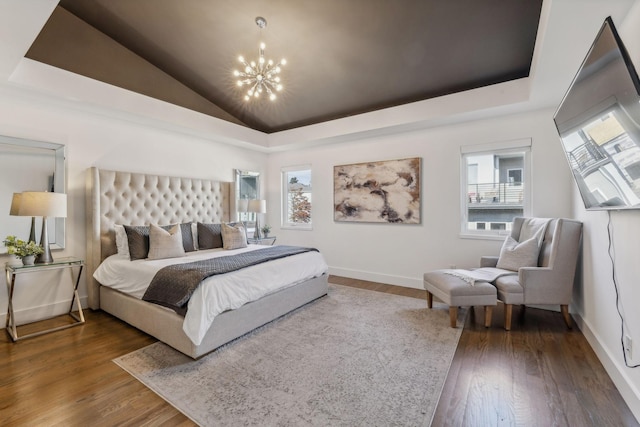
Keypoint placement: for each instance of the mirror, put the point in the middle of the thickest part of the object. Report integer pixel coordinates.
(247, 188)
(28, 165)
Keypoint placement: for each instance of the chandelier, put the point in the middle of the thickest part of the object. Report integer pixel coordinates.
(260, 76)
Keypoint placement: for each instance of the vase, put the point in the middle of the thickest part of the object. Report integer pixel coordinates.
(28, 260)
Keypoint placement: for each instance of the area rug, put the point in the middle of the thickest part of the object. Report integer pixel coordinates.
(353, 358)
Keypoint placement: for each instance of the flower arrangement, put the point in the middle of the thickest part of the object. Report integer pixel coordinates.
(266, 229)
(21, 248)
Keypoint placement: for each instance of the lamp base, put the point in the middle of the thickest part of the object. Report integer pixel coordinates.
(32, 232)
(256, 232)
(45, 257)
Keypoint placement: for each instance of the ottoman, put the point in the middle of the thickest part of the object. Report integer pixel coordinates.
(458, 292)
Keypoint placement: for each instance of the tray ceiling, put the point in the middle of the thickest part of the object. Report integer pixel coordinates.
(343, 57)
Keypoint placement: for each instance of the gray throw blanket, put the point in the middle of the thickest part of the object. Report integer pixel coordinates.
(172, 286)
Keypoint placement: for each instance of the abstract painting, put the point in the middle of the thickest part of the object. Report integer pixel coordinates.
(386, 191)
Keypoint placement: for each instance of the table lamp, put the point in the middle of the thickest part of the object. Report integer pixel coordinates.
(44, 204)
(243, 205)
(15, 211)
(258, 207)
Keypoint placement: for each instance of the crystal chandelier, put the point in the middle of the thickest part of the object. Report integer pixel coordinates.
(261, 76)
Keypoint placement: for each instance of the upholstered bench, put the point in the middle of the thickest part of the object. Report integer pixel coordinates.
(458, 292)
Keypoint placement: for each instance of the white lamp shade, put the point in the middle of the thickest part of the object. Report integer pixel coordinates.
(243, 205)
(15, 204)
(42, 203)
(257, 206)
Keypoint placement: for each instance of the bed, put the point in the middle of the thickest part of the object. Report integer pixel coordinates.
(115, 197)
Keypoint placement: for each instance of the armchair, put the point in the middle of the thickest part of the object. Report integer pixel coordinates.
(551, 282)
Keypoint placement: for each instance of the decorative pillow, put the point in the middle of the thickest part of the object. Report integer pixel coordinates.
(138, 239)
(209, 236)
(166, 244)
(233, 236)
(514, 255)
(122, 244)
(187, 237)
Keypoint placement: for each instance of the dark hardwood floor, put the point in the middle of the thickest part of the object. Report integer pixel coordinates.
(538, 374)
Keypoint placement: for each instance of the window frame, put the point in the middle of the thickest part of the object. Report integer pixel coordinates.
(498, 148)
(284, 197)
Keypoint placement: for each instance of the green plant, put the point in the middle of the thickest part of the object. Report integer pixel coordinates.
(266, 229)
(21, 248)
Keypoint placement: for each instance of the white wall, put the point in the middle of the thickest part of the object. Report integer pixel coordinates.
(595, 301)
(111, 143)
(400, 254)
(395, 254)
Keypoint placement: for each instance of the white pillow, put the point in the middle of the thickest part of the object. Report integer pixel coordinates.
(122, 244)
(233, 236)
(165, 244)
(514, 255)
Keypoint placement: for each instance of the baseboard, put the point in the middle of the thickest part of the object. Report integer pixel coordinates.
(408, 282)
(34, 314)
(625, 386)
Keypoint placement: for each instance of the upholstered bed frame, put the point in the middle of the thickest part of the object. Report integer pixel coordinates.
(139, 199)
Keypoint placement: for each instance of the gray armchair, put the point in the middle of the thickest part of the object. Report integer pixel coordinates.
(552, 281)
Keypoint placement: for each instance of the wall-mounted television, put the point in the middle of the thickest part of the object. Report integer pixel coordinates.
(598, 122)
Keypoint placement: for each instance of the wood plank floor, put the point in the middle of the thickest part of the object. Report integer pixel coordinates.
(538, 374)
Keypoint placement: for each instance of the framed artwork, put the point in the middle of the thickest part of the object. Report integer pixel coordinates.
(386, 191)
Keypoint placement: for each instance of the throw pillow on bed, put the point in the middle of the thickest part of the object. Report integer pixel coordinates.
(122, 244)
(137, 238)
(233, 236)
(188, 242)
(209, 236)
(165, 243)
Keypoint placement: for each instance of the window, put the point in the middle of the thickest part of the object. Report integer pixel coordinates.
(296, 197)
(495, 187)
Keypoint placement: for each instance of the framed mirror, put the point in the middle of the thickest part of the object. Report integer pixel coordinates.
(29, 165)
(247, 188)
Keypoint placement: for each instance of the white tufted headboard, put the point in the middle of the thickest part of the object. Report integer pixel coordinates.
(140, 199)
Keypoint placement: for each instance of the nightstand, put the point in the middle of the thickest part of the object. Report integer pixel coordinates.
(63, 263)
(267, 241)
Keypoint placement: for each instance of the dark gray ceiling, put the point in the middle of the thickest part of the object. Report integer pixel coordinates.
(344, 56)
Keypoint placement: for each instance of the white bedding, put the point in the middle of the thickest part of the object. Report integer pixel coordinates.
(217, 293)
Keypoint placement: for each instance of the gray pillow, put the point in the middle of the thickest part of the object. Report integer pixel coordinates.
(209, 236)
(138, 239)
(514, 255)
(187, 237)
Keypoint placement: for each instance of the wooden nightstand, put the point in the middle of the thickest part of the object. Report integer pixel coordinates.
(13, 270)
(266, 241)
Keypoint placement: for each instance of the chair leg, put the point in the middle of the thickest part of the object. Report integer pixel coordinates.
(508, 310)
(565, 313)
(429, 299)
(488, 311)
(453, 316)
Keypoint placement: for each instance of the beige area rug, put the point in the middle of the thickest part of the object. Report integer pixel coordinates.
(352, 358)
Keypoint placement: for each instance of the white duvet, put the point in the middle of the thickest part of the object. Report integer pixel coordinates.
(218, 293)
